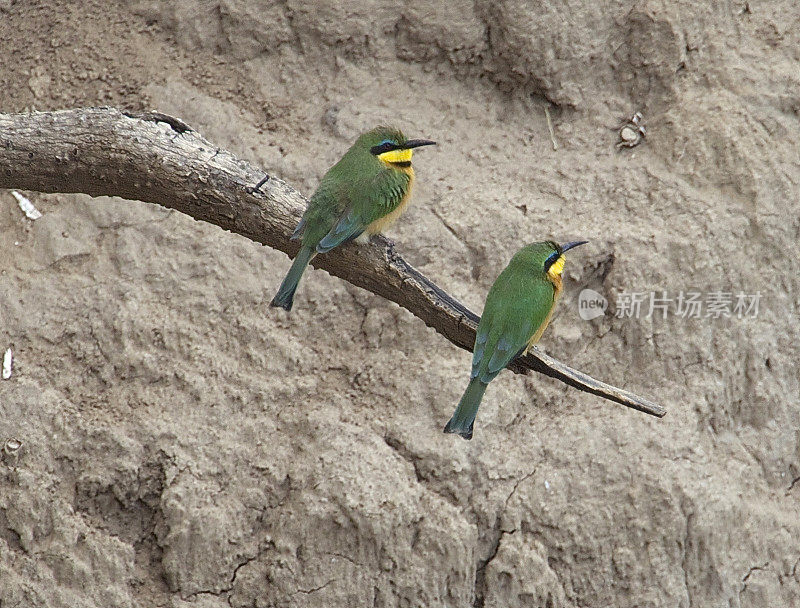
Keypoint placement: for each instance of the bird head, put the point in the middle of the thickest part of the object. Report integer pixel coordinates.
(554, 262)
(390, 146)
(551, 257)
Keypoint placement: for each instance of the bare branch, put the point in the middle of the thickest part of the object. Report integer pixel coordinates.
(159, 159)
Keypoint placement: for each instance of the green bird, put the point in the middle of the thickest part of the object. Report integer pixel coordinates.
(517, 310)
(361, 195)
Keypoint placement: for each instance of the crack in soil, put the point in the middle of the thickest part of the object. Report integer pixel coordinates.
(231, 582)
(414, 460)
(313, 589)
(749, 572)
(480, 571)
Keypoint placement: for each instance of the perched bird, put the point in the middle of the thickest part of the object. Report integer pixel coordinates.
(362, 194)
(518, 308)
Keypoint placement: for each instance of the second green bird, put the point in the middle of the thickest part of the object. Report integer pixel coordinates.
(362, 194)
(517, 310)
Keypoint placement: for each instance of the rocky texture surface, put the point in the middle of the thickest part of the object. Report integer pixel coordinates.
(185, 445)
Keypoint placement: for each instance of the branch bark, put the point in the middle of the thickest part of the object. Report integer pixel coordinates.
(158, 159)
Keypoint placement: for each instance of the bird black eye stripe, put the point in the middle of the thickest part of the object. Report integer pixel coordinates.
(551, 259)
(386, 146)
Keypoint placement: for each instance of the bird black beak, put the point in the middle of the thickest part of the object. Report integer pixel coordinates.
(568, 246)
(416, 143)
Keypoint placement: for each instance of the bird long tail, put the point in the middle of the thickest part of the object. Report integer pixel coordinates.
(464, 416)
(285, 296)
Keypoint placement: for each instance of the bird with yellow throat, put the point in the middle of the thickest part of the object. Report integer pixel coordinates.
(518, 309)
(361, 195)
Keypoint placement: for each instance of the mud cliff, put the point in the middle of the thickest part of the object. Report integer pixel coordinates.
(186, 445)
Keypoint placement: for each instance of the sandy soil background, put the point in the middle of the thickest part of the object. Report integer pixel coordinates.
(186, 445)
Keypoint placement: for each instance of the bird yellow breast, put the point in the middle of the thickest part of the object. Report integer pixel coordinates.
(382, 223)
(535, 337)
(554, 274)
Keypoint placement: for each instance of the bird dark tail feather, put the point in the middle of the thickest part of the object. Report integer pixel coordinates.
(464, 416)
(285, 296)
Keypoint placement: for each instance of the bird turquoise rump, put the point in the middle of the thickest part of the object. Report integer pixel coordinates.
(517, 310)
(361, 195)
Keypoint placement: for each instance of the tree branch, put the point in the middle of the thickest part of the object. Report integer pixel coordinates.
(158, 159)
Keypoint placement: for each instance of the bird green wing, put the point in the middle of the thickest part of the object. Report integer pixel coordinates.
(325, 208)
(349, 226)
(516, 307)
(369, 200)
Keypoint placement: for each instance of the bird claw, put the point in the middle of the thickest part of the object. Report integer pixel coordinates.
(257, 187)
